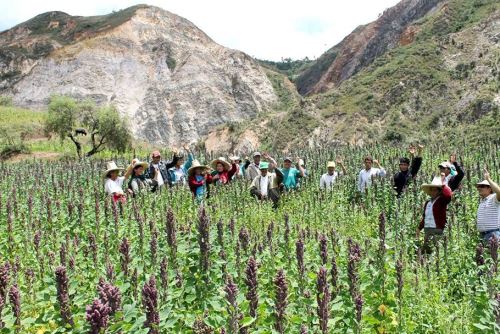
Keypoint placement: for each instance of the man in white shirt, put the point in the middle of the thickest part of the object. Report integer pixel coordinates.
(366, 174)
(328, 179)
(488, 212)
(265, 185)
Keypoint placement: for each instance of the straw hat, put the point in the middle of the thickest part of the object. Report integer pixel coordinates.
(222, 160)
(140, 163)
(445, 164)
(483, 183)
(196, 164)
(331, 164)
(235, 158)
(436, 183)
(111, 166)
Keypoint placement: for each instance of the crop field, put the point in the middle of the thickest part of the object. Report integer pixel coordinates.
(323, 262)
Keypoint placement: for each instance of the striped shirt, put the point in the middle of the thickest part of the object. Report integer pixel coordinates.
(488, 213)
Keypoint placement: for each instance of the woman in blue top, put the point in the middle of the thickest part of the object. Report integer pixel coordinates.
(197, 180)
(178, 173)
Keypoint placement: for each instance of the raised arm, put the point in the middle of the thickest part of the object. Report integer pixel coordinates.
(301, 168)
(416, 161)
(494, 186)
(273, 162)
(381, 171)
(341, 164)
(455, 180)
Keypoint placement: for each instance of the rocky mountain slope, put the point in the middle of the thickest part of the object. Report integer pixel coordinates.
(170, 80)
(439, 83)
(360, 48)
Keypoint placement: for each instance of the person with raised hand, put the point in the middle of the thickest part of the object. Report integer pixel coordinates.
(162, 166)
(434, 219)
(197, 180)
(138, 181)
(251, 169)
(178, 173)
(328, 179)
(291, 174)
(488, 212)
(223, 171)
(453, 171)
(408, 172)
(369, 172)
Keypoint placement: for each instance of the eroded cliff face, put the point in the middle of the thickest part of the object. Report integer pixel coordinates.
(170, 80)
(359, 49)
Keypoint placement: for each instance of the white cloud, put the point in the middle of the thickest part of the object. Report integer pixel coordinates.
(262, 28)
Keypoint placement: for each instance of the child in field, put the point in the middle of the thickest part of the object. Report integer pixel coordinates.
(197, 180)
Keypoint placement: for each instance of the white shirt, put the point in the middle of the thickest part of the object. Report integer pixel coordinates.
(179, 176)
(488, 213)
(365, 177)
(114, 186)
(328, 180)
(160, 178)
(264, 184)
(429, 221)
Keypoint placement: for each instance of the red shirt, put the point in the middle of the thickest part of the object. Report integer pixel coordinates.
(439, 209)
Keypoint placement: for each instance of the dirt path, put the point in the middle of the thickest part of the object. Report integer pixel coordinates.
(35, 155)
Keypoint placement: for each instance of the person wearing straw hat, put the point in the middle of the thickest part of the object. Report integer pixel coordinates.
(138, 181)
(178, 173)
(162, 166)
(265, 186)
(434, 216)
(113, 184)
(368, 173)
(197, 180)
(252, 169)
(488, 212)
(328, 179)
(223, 171)
(453, 171)
(406, 172)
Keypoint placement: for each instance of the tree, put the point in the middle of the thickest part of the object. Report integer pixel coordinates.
(70, 119)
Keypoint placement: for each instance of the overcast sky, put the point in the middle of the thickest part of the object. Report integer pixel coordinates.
(264, 29)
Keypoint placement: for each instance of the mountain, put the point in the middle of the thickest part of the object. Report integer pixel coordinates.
(393, 28)
(437, 82)
(172, 82)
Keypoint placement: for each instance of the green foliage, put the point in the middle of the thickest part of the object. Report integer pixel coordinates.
(5, 101)
(287, 66)
(103, 125)
(62, 204)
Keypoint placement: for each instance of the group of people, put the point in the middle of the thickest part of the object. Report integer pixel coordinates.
(268, 181)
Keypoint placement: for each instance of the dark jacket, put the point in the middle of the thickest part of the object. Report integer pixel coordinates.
(439, 209)
(402, 179)
(163, 167)
(455, 180)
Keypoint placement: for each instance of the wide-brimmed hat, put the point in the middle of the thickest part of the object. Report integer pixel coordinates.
(234, 158)
(264, 165)
(222, 160)
(483, 183)
(436, 183)
(111, 166)
(256, 154)
(331, 164)
(194, 165)
(140, 163)
(445, 164)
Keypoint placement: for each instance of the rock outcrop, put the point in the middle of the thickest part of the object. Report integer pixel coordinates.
(172, 82)
(363, 45)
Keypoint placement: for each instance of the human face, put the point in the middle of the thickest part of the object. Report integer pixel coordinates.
(113, 175)
(368, 164)
(331, 170)
(484, 190)
(179, 163)
(139, 170)
(220, 167)
(263, 172)
(403, 166)
(287, 164)
(434, 192)
(256, 159)
(198, 171)
(444, 170)
(156, 159)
